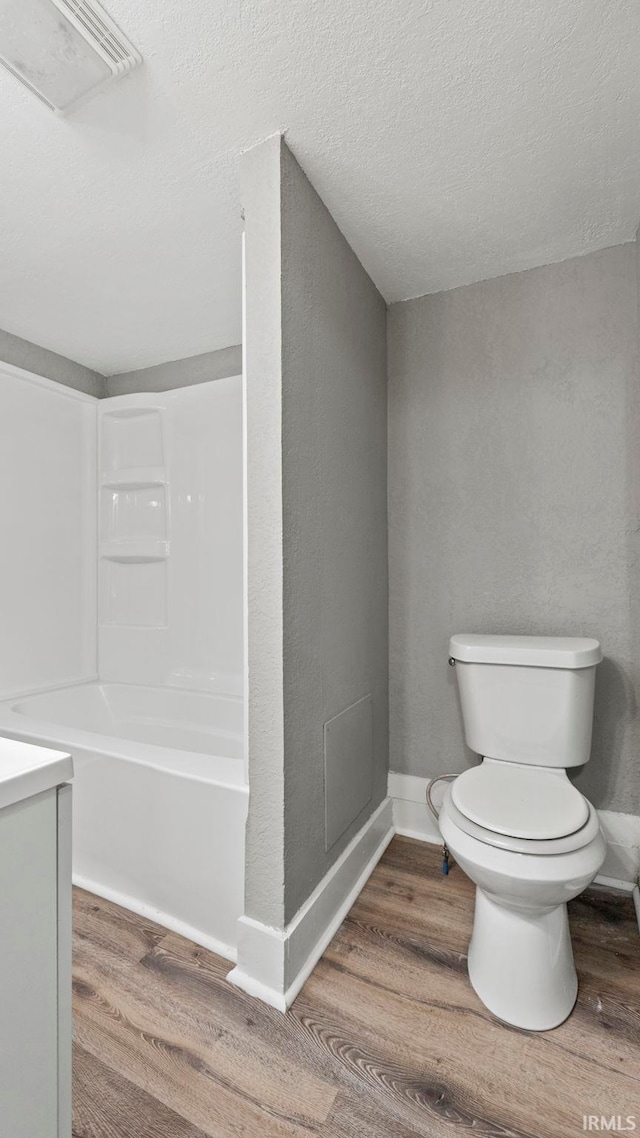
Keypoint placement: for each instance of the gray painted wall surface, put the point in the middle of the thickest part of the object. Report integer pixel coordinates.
(514, 496)
(178, 373)
(31, 357)
(334, 403)
(317, 556)
(162, 377)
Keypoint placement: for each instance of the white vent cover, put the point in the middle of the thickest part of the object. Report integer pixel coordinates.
(62, 50)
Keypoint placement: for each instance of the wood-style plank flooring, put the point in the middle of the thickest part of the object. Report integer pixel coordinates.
(386, 1040)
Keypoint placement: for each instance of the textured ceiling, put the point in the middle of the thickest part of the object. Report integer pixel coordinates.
(451, 140)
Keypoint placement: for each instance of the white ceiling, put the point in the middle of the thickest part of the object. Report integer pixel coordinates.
(452, 140)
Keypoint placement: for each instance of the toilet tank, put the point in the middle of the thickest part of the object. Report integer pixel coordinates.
(527, 699)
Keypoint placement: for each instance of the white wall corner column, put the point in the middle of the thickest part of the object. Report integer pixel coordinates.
(316, 587)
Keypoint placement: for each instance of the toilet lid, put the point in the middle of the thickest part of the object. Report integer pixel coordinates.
(522, 802)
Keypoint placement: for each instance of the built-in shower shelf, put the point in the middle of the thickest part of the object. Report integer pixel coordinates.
(134, 552)
(134, 477)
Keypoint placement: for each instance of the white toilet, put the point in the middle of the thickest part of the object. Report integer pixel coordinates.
(516, 824)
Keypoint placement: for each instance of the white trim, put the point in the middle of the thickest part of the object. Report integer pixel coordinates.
(273, 964)
(413, 819)
(245, 515)
(614, 883)
(622, 863)
(90, 515)
(261, 963)
(173, 924)
(411, 815)
(53, 385)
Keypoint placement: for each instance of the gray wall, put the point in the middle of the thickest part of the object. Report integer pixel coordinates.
(514, 496)
(316, 366)
(31, 357)
(162, 377)
(178, 373)
(335, 515)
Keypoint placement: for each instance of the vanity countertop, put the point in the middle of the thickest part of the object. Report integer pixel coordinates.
(26, 770)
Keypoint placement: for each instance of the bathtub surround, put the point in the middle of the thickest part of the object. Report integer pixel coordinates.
(170, 601)
(317, 564)
(47, 522)
(33, 358)
(159, 747)
(170, 639)
(514, 486)
(178, 373)
(170, 487)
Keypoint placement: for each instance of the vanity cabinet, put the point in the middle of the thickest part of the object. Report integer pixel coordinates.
(35, 952)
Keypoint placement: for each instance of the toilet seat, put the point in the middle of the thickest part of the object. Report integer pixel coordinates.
(520, 801)
(533, 846)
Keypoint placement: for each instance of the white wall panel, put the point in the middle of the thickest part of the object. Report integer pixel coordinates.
(47, 533)
(170, 537)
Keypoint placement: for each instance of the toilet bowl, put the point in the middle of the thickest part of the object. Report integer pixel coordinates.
(517, 826)
(520, 957)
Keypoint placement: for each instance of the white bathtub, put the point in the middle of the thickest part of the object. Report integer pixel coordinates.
(160, 798)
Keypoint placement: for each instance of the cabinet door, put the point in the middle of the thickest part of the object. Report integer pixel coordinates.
(28, 968)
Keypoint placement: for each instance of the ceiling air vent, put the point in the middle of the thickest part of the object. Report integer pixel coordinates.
(62, 50)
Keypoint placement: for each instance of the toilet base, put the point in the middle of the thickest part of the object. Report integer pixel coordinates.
(521, 963)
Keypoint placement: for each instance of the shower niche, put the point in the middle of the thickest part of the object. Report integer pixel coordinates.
(133, 516)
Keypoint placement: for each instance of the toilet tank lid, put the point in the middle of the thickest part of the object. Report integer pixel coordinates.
(527, 651)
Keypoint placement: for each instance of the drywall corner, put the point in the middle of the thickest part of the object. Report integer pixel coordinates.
(264, 875)
(274, 963)
(317, 592)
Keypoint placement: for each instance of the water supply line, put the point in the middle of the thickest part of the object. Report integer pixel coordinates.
(436, 813)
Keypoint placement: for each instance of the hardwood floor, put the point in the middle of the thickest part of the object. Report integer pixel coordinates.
(386, 1040)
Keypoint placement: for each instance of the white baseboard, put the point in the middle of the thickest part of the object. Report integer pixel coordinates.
(411, 815)
(273, 964)
(173, 924)
(261, 967)
(622, 863)
(413, 819)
